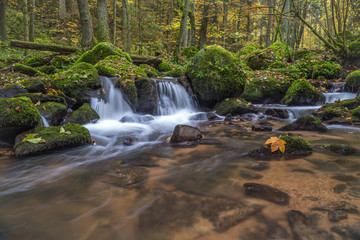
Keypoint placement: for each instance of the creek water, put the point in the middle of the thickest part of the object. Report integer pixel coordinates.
(180, 192)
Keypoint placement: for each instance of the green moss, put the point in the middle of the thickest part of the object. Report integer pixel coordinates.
(101, 51)
(248, 49)
(342, 149)
(60, 61)
(78, 80)
(340, 112)
(147, 98)
(54, 140)
(18, 112)
(128, 87)
(176, 72)
(85, 114)
(39, 97)
(305, 123)
(26, 70)
(35, 61)
(259, 60)
(353, 81)
(354, 49)
(328, 70)
(189, 52)
(150, 71)
(277, 64)
(301, 92)
(34, 85)
(234, 106)
(215, 75)
(164, 67)
(106, 71)
(47, 69)
(356, 112)
(281, 50)
(53, 112)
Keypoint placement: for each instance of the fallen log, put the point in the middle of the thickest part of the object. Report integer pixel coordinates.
(43, 47)
(146, 60)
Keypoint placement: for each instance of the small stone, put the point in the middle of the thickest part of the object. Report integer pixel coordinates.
(344, 178)
(303, 170)
(277, 112)
(228, 118)
(257, 128)
(128, 141)
(126, 175)
(336, 216)
(339, 188)
(267, 193)
(347, 232)
(249, 175)
(184, 133)
(258, 166)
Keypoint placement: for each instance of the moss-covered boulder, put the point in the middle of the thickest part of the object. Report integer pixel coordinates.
(85, 114)
(164, 67)
(176, 72)
(51, 139)
(354, 49)
(356, 112)
(39, 97)
(34, 86)
(328, 70)
(281, 50)
(245, 51)
(11, 90)
(35, 61)
(293, 146)
(129, 89)
(301, 92)
(60, 61)
(30, 71)
(47, 69)
(353, 81)
(215, 75)
(343, 149)
(78, 80)
(260, 59)
(147, 98)
(101, 51)
(149, 70)
(306, 123)
(234, 106)
(53, 112)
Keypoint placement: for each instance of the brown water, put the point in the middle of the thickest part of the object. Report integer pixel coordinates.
(183, 193)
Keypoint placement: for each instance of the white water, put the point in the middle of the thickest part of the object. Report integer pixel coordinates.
(45, 122)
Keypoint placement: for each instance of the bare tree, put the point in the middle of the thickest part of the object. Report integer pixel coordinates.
(103, 21)
(86, 24)
(3, 31)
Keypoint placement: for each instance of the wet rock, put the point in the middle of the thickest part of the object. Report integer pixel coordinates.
(11, 91)
(35, 86)
(337, 210)
(137, 118)
(198, 117)
(211, 116)
(85, 114)
(277, 112)
(249, 175)
(258, 128)
(344, 178)
(184, 133)
(126, 175)
(228, 117)
(303, 170)
(303, 228)
(234, 106)
(354, 191)
(343, 149)
(267, 193)
(258, 166)
(339, 188)
(128, 141)
(305, 123)
(147, 98)
(53, 112)
(353, 165)
(301, 92)
(347, 232)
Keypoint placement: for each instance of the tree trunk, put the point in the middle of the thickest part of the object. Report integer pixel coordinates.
(103, 21)
(43, 47)
(32, 21)
(204, 24)
(269, 24)
(182, 31)
(26, 22)
(3, 31)
(248, 21)
(126, 26)
(225, 19)
(114, 23)
(192, 37)
(62, 9)
(86, 24)
(74, 8)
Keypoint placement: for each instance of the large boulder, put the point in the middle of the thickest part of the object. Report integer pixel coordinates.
(53, 112)
(215, 75)
(184, 133)
(78, 80)
(26, 70)
(11, 91)
(353, 81)
(85, 114)
(305, 123)
(101, 51)
(234, 106)
(147, 100)
(301, 92)
(43, 140)
(17, 115)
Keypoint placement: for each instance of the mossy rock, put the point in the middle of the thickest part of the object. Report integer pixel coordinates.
(277, 64)
(150, 71)
(101, 51)
(305, 123)
(78, 80)
(129, 89)
(42, 98)
(259, 59)
(47, 69)
(34, 86)
(353, 81)
(85, 114)
(147, 98)
(2, 65)
(234, 106)
(345, 111)
(248, 50)
(281, 50)
(18, 112)
(164, 67)
(189, 52)
(215, 75)
(328, 70)
(293, 146)
(301, 92)
(11, 90)
(74, 136)
(53, 112)
(354, 49)
(35, 61)
(60, 61)
(30, 71)
(356, 112)
(343, 149)
(176, 73)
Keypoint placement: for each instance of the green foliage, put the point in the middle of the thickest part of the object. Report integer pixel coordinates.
(35, 61)
(277, 64)
(164, 67)
(281, 50)
(47, 69)
(235, 106)
(326, 69)
(353, 81)
(177, 71)
(301, 92)
(60, 61)
(85, 114)
(150, 71)
(215, 75)
(248, 49)
(354, 49)
(26, 69)
(189, 52)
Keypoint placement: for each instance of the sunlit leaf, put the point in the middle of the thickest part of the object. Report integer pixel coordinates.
(62, 130)
(276, 144)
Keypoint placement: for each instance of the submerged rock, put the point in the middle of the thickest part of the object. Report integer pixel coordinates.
(234, 106)
(184, 133)
(85, 114)
(301, 92)
(339, 188)
(249, 175)
(267, 192)
(305, 123)
(260, 128)
(126, 175)
(337, 210)
(347, 232)
(304, 228)
(277, 112)
(53, 139)
(343, 149)
(137, 118)
(344, 178)
(258, 166)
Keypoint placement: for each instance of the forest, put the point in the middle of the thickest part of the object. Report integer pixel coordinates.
(180, 119)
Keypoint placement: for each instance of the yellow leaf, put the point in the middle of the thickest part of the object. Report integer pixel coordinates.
(276, 144)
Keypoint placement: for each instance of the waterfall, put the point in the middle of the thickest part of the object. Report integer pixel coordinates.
(112, 105)
(172, 98)
(45, 122)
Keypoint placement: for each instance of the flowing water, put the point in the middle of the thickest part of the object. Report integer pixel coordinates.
(179, 192)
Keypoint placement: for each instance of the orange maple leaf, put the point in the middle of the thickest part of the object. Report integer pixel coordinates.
(276, 144)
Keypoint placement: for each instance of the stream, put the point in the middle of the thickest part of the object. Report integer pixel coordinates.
(173, 192)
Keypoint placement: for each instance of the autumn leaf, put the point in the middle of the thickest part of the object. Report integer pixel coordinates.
(17, 108)
(276, 144)
(8, 109)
